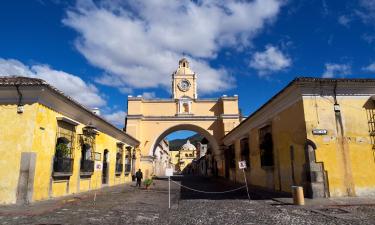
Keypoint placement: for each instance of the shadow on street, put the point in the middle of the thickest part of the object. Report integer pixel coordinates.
(216, 184)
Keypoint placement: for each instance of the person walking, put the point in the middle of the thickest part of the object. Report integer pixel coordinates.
(139, 177)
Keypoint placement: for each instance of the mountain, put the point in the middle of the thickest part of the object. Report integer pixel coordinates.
(174, 145)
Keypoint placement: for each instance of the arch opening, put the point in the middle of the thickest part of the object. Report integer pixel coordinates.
(199, 159)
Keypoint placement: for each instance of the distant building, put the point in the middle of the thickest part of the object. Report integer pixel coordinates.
(162, 159)
(50, 145)
(175, 160)
(187, 153)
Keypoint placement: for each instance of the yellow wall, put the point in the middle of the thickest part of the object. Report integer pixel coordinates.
(35, 131)
(348, 158)
(288, 129)
(354, 170)
(14, 139)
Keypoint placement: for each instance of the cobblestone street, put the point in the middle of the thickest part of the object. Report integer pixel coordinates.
(125, 204)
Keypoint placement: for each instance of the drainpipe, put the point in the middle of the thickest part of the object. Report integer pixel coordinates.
(343, 146)
(19, 104)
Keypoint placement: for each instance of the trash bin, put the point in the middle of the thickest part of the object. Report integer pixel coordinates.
(133, 177)
(297, 193)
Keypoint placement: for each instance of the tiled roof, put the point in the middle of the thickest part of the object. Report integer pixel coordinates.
(17, 80)
(28, 81)
(299, 80)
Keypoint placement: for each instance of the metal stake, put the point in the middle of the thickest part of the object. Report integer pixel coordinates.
(169, 192)
(247, 188)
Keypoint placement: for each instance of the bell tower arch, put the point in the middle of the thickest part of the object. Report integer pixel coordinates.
(150, 119)
(184, 81)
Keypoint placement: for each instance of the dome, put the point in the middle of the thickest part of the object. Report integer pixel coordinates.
(188, 147)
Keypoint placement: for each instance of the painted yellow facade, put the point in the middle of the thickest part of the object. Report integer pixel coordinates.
(322, 139)
(150, 120)
(29, 131)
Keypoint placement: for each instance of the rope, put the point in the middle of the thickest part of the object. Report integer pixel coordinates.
(209, 192)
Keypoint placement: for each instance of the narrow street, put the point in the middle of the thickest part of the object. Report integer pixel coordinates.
(125, 204)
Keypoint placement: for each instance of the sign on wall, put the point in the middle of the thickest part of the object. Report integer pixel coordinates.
(242, 164)
(98, 165)
(319, 131)
(97, 156)
(169, 172)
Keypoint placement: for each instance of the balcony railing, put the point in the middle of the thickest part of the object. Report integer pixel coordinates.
(87, 167)
(62, 167)
(128, 168)
(119, 168)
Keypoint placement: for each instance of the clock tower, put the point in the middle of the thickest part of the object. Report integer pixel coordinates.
(184, 81)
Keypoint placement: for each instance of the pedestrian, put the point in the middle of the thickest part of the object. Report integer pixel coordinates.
(139, 177)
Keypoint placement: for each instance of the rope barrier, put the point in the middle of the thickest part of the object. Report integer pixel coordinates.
(208, 192)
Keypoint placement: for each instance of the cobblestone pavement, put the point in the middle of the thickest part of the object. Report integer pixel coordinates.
(125, 204)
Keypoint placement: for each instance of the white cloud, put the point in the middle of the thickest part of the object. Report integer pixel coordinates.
(139, 43)
(269, 61)
(333, 69)
(370, 68)
(148, 95)
(75, 87)
(117, 118)
(367, 11)
(344, 20)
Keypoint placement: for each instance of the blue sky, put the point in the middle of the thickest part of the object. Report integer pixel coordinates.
(99, 52)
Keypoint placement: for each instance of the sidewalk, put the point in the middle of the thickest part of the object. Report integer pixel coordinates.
(342, 201)
(50, 205)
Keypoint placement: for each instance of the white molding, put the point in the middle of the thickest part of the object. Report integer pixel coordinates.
(67, 120)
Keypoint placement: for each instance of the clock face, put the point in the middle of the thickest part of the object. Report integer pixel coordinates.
(184, 85)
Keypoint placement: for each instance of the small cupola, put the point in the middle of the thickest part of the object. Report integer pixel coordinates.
(183, 63)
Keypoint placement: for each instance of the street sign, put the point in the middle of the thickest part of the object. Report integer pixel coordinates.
(169, 172)
(242, 164)
(320, 132)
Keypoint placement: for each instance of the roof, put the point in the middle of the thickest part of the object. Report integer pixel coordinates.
(300, 80)
(28, 81)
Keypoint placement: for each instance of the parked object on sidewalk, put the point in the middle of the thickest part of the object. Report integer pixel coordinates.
(147, 183)
(298, 198)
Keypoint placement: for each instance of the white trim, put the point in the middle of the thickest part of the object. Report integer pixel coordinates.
(67, 120)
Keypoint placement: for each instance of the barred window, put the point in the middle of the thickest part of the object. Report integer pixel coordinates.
(266, 146)
(245, 151)
(231, 156)
(65, 140)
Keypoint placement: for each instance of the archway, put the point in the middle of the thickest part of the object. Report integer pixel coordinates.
(190, 127)
(150, 120)
(196, 162)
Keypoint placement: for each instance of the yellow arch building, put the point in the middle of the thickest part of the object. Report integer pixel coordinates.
(150, 120)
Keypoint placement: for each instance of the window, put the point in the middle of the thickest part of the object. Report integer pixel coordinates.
(266, 146)
(245, 151)
(128, 160)
(63, 159)
(87, 162)
(231, 156)
(186, 107)
(119, 156)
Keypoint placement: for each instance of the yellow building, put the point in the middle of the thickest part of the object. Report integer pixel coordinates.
(317, 133)
(175, 160)
(162, 158)
(51, 146)
(151, 120)
(188, 153)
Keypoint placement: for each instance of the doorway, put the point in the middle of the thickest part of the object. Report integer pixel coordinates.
(105, 167)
